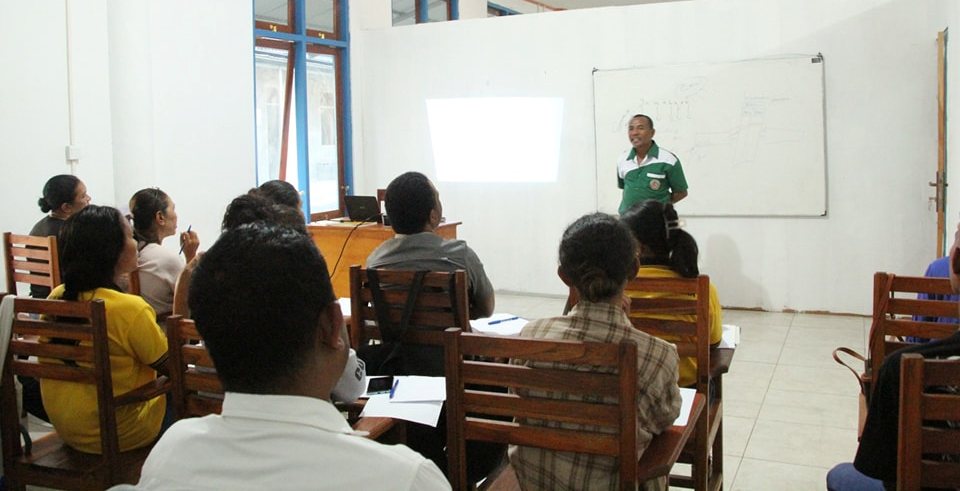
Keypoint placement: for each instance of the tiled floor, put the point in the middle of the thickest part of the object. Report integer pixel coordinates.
(790, 411)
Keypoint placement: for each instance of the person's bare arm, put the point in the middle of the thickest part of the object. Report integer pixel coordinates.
(677, 196)
(181, 291)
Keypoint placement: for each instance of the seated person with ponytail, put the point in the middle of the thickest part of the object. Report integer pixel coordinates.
(154, 219)
(98, 246)
(63, 196)
(667, 251)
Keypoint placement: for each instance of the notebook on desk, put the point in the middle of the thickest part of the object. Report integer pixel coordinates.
(363, 208)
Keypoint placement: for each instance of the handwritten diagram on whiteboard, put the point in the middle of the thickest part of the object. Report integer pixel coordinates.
(750, 134)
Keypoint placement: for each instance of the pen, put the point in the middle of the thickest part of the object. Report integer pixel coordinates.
(508, 319)
(183, 242)
(393, 390)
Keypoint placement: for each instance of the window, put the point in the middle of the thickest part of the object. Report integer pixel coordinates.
(301, 112)
(409, 12)
(494, 10)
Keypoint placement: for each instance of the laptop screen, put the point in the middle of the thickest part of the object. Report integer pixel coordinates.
(362, 208)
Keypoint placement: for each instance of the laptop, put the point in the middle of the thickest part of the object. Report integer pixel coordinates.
(363, 208)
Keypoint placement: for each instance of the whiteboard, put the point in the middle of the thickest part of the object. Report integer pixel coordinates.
(749, 134)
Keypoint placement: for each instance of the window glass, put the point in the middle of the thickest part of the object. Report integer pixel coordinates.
(438, 11)
(271, 75)
(322, 131)
(321, 16)
(404, 12)
(271, 11)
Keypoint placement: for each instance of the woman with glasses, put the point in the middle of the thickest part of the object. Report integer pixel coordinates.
(154, 217)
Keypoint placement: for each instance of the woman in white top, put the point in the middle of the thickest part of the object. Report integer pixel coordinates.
(154, 219)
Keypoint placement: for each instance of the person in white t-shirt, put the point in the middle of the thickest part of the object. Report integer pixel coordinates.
(154, 217)
(262, 299)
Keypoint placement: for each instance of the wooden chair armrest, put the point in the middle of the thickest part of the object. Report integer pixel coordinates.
(353, 408)
(384, 430)
(147, 391)
(665, 448)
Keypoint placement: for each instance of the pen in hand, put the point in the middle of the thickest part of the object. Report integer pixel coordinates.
(183, 241)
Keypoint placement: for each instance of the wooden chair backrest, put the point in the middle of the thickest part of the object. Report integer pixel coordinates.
(441, 303)
(84, 358)
(924, 433)
(482, 400)
(898, 313)
(31, 260)
(681, 297)
(195, 388)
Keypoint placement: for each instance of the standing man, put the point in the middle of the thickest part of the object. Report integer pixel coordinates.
(647, 171)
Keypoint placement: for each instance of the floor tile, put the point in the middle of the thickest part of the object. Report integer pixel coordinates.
(831, 321)
(763, 351)
(836, 381)
(793, 443)
(811, 355)
(810, 408)
(830, 336)
(745, 386)
(736, 433)
(731, 463)
(755, 317)
(761, 475)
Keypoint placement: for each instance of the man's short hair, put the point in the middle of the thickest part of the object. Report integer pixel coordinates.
(410, 198)
(257, 296)
(644, 116)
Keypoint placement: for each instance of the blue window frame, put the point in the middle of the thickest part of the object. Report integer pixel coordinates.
(302, 97)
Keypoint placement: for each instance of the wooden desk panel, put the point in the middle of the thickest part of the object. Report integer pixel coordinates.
(356, 242)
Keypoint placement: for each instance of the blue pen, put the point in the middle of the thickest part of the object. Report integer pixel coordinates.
(508, 319)
(393, 390)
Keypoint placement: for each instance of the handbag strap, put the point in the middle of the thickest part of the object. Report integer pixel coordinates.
(854, 354)
(389, 332)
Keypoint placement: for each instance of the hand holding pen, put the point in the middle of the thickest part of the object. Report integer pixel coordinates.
(189, 243)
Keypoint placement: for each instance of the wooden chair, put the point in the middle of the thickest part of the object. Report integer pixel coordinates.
(488, 403)
(31, 260)
(689, 297)
(924, 432)
(440, 303)
(897, 313)
(50, 462)
(196, 390)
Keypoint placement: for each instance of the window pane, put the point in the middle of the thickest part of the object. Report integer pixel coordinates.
(404, 12)
(321, 15)
(272, 11)
(322, 132)
(271, 75)
(437, 11)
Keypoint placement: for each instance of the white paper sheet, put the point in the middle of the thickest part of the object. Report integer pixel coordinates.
(503, 324)
(730, 337)
(685, 406)
(427, 413)
(415, 388)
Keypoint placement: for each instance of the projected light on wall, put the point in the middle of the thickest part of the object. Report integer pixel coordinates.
(496, 139)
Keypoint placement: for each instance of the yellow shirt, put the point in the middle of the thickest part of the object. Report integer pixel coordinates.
(688, 364)
(135, 341)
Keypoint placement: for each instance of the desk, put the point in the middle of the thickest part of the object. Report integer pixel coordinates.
(664, 449)
(356, 243)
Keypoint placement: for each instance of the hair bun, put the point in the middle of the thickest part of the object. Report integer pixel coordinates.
(44, 207)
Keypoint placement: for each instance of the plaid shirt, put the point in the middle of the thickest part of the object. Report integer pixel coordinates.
(658, 400)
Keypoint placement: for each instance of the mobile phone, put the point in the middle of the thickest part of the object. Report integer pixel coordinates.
(379, 385)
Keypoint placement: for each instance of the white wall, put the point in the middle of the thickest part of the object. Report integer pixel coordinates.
(880, 121)
(162, 96)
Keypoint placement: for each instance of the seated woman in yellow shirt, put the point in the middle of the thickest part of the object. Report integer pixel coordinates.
(97, 246)
(667, 251)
